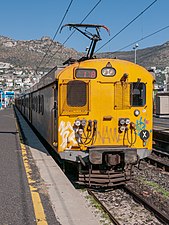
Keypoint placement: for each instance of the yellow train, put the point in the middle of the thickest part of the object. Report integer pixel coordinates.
(96, 113)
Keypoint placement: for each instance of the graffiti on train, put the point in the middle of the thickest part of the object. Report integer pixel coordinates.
(67, 134)
(108, 134)
(141, 124)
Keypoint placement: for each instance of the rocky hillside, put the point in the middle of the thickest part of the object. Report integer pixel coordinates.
(30, 53)
(154, 56)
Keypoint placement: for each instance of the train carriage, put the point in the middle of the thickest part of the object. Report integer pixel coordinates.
(96, 113)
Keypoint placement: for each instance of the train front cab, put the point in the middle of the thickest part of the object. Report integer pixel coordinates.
(105, 118)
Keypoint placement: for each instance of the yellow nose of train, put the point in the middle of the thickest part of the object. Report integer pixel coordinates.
(97, 114)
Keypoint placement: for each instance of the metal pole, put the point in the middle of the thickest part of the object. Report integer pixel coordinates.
(135, 54)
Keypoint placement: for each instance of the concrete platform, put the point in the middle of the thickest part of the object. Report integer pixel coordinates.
(68, 205)
(15, 200)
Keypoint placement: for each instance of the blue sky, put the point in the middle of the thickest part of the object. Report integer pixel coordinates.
(32, 19)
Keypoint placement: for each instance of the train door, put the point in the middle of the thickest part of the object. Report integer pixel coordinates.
(55, 115)
(114, 103)
(106, 111)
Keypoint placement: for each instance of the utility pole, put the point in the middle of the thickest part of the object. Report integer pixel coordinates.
(135, 56)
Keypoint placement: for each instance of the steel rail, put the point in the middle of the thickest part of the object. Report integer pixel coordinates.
(159, 214)
(157, 163)
(112, 218)
(160, 140)
(159, 151)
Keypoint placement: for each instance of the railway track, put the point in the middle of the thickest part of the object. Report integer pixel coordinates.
(105, 209)
(111, 216)
(160, 152)
(117, 220)
(158, 213)
(160, 137)
(161, 141)
(159, 159)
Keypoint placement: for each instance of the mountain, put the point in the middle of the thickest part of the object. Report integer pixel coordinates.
(30, 54)
(149, 57)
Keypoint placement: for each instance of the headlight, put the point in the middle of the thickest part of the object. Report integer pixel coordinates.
(122, 121)
(77, 123)
(83, 122)
(110, 72)
(127, 121)
(136, 112)
(80, 131)
(122, 128)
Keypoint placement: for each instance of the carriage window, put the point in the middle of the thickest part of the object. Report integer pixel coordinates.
(76, 93)
(138, 94)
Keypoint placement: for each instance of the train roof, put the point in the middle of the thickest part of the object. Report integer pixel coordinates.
(47, 79)
(53, 75)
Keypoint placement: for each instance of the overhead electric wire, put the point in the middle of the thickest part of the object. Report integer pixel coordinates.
(66, 12)
(127, 25)
(141, 39)
(83, 20)
(74, 31)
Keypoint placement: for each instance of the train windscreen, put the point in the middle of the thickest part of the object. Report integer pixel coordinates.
(76, 93)
(138, 94)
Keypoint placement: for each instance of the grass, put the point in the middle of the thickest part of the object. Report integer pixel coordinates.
(98, 207)
(157, 188)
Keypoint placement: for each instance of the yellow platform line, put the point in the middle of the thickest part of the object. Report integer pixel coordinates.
(36, 200)
(37, 204)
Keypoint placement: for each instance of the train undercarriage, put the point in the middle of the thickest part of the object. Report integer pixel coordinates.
(106, 167)
(104, 178)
